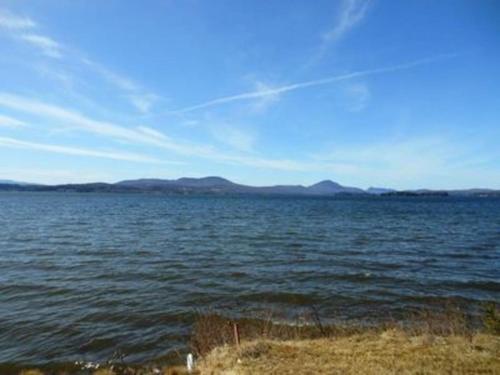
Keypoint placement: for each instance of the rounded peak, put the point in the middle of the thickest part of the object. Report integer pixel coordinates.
(327, 183)
(204, 181)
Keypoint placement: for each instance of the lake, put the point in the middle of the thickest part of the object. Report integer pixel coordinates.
(85, 275)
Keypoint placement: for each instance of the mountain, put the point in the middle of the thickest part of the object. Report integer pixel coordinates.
(282, 189)
(378, 190)
(12, 182)
(476, 192)
(188, 185)
(219, 185)
(443, 193)
(184, 181)
(208, 184)
(328, 187)
(212, 181)
(185, 185)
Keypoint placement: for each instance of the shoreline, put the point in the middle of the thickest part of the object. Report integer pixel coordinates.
(391, 351)
(436, 336)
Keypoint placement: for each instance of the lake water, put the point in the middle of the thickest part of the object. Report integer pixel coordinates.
(84, 275)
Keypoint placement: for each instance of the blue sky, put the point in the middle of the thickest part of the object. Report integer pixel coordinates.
(364, 92)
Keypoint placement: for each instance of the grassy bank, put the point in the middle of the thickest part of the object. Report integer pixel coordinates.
(441, 341)
(389, 352)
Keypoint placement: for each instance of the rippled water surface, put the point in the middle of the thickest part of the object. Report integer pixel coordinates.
(82, 275)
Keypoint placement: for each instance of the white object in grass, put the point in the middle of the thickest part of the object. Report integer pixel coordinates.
(190, 362)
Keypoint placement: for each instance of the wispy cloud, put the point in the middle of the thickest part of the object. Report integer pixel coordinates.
(264, 101)
(74, 119)
(10, 122)
(48, 46)
(236, 137)
(116, 155)
(112, 77)
(273, 92)
(141, 135)
(409, 163)
(141, 99)
(358, 96)
(152, 132)
(26, 30)
(351, 13)
(138, 96)
(61, 76)
(11, 21)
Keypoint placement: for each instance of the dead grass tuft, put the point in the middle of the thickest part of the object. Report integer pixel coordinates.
(211, 330)
(104, 372)
(491, 318)
(31, 372)
(443, 321)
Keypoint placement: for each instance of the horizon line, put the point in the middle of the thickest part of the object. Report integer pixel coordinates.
(8, 181)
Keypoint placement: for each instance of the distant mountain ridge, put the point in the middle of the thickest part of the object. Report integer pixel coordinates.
(220, 185)
(379, 190)
(210, 181)
(12, 182)
(213, 183)
(327, 187)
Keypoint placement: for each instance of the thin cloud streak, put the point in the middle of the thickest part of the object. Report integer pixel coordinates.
(142, 135)
(318, 82)
(115, 79)
(358, 95)
(26, 30)
(10, 122)
(48, 46)
(142, 100)
(14, 22)
(124, 156)
(410, 161)
(353, 12)
(75, 119)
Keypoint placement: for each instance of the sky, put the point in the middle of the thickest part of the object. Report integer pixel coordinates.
(400, 94)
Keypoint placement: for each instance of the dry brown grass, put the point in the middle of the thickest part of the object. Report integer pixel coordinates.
(104, 372)
(31, 372)
(167, 370)
(491, 318)
(390, 352)
(211, 330)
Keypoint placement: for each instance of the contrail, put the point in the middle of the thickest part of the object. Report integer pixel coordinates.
(318, 82)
